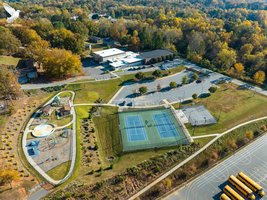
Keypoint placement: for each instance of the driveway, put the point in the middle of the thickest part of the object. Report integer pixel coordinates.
(252, 160)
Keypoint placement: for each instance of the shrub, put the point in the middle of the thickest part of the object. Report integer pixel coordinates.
(249, 135)
(173, 84)
(212, 89)
(185, 80)
(194, 96)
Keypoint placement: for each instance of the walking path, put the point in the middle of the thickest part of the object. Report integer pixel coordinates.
(161, 178)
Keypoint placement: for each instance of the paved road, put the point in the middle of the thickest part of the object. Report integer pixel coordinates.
(252, 160)
(38, 194)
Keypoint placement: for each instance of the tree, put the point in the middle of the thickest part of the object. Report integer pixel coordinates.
(157, 73)
(212, 89)
(238, 70)
(173, 84)
(143, 90)
(26, 35)
(9, 44)
(194, 96)
(7, 176)
(135, 41)
(195, 76)
(259, 77)
(9, 86)
(185, 79)
(37, 51)
(63, 38)
(226, 58)
(60, 63)
(139, 75)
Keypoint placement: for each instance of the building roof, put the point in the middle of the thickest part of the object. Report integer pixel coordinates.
(155, 53)
(109, 52)
(65, 108)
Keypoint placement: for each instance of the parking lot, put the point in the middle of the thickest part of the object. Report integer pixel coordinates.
(129, 94)
(252, 160)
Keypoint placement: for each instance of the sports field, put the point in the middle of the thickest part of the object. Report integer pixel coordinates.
(146, 129)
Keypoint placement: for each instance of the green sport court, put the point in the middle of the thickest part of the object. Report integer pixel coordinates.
(146, 129)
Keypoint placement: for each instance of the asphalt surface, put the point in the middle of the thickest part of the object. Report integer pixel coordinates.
(252, 160)
(129, 93)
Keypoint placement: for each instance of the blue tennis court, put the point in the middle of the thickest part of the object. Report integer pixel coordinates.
(135, 129)
(165, 126)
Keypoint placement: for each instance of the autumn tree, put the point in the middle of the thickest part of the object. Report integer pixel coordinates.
(226, 58)
(9, 86)
(60, 63)
(26, 35)
(7, 176)
(237, 70)
(259, 77)
(135, 41)
(9, 44)
(63, 38)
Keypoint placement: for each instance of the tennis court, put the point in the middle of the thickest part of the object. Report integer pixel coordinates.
(164, 125)
(135, 130)
(146, 129)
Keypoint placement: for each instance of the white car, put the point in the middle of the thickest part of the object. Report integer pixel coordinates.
(2, 106)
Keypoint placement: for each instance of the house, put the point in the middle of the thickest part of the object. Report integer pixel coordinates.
(64, 111)
(104, 55)
(95, 39)
(155, 56)
(47, 110)
(27, 71)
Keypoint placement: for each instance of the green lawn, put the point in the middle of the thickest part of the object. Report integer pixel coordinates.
(65, 94)
(60, 171)
(231, 106)
(9, 60)
(58, 122)
(107, 126)
(90, 92)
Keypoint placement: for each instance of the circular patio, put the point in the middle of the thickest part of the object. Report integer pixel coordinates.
(43, 130)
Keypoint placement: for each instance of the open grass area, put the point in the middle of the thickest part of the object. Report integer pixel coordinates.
(9, 60)
(231, 106)
(65, 94)
(108, 130)
(60, 171)
(92, 91)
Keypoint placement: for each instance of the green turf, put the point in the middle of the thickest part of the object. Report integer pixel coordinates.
(154, 140)
(9, 60)
(108, 131)
(92, 91)
(60, 171)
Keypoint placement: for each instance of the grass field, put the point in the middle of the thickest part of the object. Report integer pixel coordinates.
(9, 60)
(231, 106)
(90, 92)
(60, 171)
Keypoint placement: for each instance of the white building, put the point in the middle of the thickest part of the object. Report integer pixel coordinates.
(105, 55)
(127, 60)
